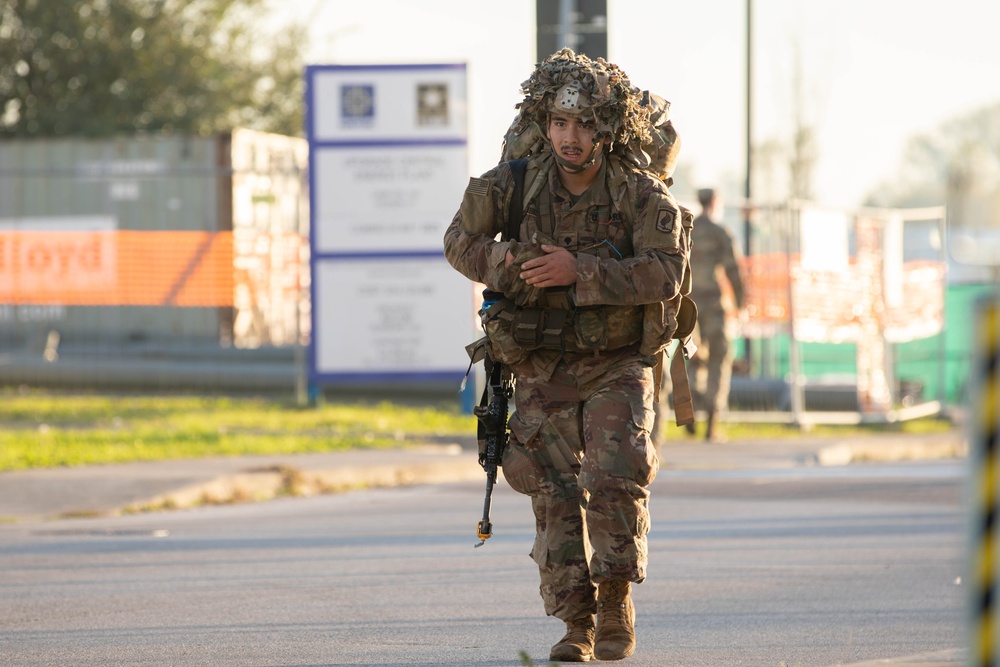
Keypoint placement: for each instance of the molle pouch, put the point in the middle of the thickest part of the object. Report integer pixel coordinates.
(591, 327)
(521, 465)
(687, 317)
(497, 320)
(558, 298)
(555, 323)
(526, 327)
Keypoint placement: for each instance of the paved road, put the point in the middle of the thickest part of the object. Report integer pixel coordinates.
(807, 566)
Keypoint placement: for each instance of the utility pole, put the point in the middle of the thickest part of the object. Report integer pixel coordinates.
(581, 25)
(747, 192)
(749, 128)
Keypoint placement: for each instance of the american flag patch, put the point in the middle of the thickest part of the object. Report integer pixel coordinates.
(478, 187)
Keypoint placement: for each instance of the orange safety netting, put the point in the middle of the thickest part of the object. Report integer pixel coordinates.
(832, 305)
(116, 268)
(765, 287)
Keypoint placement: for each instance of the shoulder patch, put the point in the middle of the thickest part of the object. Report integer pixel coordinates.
(478, 187)
(665, 217)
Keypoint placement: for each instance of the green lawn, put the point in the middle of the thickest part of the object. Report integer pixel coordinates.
(48, 429)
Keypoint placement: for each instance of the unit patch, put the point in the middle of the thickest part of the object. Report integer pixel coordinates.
(665, 219)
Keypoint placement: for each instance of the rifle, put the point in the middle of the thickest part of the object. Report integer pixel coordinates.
(492, 430)
(492, 414)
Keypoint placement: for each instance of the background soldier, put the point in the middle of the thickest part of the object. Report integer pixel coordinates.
(712, 252)
(599, 248)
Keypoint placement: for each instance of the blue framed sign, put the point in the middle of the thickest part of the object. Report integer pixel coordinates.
(388, 163)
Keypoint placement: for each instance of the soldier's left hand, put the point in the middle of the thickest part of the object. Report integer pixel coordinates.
(557, 267)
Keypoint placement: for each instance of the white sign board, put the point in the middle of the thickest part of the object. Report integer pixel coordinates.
(391, 104)
(388, 162)
(392, 316)
(386, 198)
(824, 240)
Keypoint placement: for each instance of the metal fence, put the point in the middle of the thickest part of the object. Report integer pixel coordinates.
(164, 262)
(835, 299)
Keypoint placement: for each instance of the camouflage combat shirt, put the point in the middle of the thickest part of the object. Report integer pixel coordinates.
(625, 230)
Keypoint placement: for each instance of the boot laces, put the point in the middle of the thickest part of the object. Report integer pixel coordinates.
(615, 593)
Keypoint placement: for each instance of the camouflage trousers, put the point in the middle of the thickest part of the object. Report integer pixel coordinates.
(713, 361)
(580, 447)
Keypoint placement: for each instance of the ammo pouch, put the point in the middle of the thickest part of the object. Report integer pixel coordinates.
(540, 328)
(514, 331)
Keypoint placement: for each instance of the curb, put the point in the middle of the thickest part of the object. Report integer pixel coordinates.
(845, 453)
(949, 658)
(268, 483)
(112, 490)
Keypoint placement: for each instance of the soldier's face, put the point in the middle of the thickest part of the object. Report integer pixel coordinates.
(573, 137)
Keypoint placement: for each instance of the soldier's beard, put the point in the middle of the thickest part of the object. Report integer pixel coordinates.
(595, 154)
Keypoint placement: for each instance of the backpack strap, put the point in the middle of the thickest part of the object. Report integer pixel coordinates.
(683, 405)
(515, 212)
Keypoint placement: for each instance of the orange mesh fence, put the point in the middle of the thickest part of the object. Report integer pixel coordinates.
(765, 294)
(831, 305)
(116, 268)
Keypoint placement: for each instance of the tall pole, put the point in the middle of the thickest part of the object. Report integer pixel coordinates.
(749, 129)
(749, 155)
(567, 19)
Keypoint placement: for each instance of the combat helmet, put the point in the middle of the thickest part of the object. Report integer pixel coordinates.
(574, 84)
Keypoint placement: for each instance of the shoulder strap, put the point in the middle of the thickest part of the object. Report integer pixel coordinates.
(494, 369)
(515, 213)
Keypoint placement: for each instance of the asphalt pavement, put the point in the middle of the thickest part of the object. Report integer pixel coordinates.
(107, 490)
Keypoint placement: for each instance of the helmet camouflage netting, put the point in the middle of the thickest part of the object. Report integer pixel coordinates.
(604, 90)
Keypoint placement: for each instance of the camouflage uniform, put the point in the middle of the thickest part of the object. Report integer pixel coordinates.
(712, 250)
(579, 442)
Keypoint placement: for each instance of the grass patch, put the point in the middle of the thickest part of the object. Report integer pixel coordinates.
(41, 429)
(44, 429)
(740, 431)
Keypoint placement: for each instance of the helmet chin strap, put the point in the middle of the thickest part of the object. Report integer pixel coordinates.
(595, 153)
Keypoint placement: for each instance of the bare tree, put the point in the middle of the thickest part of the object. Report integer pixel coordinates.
(959, 159)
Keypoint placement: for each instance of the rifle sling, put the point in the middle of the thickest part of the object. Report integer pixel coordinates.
(515, 213)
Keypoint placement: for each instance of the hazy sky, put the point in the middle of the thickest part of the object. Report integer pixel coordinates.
(874, 72)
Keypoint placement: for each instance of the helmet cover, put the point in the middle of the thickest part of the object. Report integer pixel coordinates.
(573, 84)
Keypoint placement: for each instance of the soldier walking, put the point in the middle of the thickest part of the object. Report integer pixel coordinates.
(713, 252)
(598, 252)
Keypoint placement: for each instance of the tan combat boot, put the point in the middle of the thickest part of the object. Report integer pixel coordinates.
(615, 621)
(578, 644)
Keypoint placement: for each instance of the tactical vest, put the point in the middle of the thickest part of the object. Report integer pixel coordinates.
(548, 319)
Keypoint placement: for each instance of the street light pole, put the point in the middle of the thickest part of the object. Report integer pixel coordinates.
(749, 128)
(749, 154)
